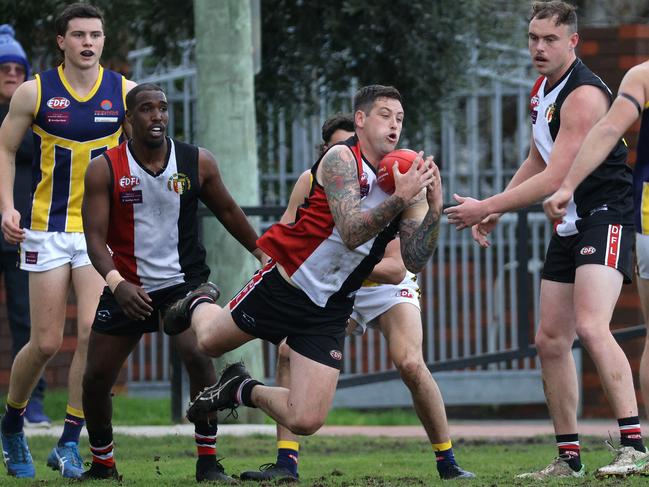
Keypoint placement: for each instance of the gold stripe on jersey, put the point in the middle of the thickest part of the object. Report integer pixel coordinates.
(73, 93)
(80, 157)
(646, 105)
(38, 95)
(644, 209)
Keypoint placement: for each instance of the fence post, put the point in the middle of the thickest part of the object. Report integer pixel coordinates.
(522, 257)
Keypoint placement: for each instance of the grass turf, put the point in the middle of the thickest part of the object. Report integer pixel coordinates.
(329, 461)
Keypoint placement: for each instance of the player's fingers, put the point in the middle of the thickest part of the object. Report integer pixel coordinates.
(143, 294)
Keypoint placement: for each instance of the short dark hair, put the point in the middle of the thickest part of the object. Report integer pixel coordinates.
(365, 97)
(339, 121)
(566, 13)
(131, 96)
(76, 11)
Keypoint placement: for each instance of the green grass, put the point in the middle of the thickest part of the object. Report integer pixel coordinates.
(127, 411)
(328, 461)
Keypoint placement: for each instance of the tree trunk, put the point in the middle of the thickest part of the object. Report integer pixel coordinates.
(226, 126)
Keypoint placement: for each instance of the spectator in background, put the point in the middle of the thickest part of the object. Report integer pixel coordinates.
(14, 70)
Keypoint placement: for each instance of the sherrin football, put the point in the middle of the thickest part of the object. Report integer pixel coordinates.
(385, 176)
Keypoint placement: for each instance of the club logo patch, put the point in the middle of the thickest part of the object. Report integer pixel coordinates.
(179, 183)
(58, 103)
(549, 112)
(106, 104)
(589, 250)
(336, 354)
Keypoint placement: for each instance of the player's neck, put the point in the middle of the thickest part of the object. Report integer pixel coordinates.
(555, 77)
(370, 154)
(81, 80)
(154, 158)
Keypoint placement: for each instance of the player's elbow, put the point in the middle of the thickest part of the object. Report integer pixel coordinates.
(350, 240)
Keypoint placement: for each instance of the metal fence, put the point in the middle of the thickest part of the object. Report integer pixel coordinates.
(472, 298)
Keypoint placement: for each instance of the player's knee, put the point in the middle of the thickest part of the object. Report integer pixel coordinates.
(207, 346)
(306, 424)
(410, 366)
(590, 336)
(93, 383)
(551, 346)
(46, 349)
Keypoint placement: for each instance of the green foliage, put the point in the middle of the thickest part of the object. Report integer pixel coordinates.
(128, 24)
(422, 47)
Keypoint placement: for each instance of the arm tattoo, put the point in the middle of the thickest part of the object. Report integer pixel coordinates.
(419, 240)
(340, 182)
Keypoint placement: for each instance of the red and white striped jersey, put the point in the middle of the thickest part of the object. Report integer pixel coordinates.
(312, 251)
(153, 226)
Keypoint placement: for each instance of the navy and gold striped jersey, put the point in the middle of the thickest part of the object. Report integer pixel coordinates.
(641, 176)
(70, 130)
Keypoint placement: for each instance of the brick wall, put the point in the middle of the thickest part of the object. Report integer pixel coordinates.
(610, 52)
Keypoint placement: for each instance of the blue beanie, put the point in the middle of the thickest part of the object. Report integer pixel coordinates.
(10, 49)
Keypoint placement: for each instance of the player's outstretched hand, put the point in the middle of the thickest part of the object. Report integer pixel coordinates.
(483, 229)
(134, 300)
(469, 212)
(11, 227)
(556, 206)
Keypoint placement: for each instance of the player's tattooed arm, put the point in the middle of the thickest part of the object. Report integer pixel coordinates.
(419, 240)
(339, 178)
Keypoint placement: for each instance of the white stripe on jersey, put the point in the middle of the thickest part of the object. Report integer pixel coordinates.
(156, 226)
(326, 269)
(544, 143)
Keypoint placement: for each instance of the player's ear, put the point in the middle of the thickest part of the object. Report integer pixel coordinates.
(359, 118)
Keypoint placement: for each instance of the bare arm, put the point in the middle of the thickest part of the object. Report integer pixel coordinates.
(218, 199)
(14, 126)
(602, 138)
(530, 167)
(579, 113)
(419, 229)
(339, 177)
(95, 211)
(391, 269)
(299, 193)
(125, 125)
(609, 130)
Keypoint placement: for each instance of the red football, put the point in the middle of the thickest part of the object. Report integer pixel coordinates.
(385, 177)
